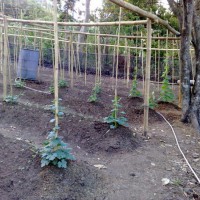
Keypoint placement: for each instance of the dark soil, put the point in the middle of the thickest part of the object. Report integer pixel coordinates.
(21, 176)
(134, 166)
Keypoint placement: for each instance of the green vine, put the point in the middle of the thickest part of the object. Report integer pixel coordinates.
(113, 119)
(166, 93)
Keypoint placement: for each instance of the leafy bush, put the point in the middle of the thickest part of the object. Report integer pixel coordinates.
(166, 93)
(55, 151)
(113, 119)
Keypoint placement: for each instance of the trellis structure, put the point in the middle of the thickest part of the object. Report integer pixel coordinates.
(40, 29)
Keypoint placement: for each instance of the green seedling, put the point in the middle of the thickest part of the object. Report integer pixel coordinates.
(97, 89)
(51, 89)
(60, 109)
(12, 99)
(19, 83)
(62, 84)
(166, 93)
(152, 101)
(114, 120)
(94, 96)
(134, 92)
(55, 151)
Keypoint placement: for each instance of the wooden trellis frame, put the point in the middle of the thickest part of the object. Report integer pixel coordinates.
(70, 43)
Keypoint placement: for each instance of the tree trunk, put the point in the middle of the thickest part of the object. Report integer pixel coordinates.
(186, 64)
(195, 100)
(81, 37)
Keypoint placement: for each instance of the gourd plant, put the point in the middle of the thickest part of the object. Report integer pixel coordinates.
(95, 91)
(55, 151)
(134, 92)
(114, 120)
(166, 93)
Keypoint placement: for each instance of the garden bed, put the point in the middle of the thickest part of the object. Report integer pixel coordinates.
(132, 166)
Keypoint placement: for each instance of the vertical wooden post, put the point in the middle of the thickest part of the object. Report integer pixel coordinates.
(56, 44)
(1, 49)
(71, 62)
(158, 64)
(99, 60)
(147, 78)
(5, 64)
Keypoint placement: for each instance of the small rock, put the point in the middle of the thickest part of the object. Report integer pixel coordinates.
(132, 174)
(188, 191)
(165, 181)
(196, 159)
(195, 155)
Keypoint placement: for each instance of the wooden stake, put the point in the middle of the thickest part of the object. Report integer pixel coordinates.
(56, 44)
(147, 78)
(5, 72)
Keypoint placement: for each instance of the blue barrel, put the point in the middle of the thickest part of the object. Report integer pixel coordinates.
(28, 64)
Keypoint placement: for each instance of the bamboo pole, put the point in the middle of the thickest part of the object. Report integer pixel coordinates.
(86, 51)
(128, 66)
(158, 64)
(48, 32)
(147, 78)
(77, 23)
(56, 44)
(5, 72)
(126, 63)
(142, 60)
(120, 46)
(173, 63)
(72, 63)
(99, 60)
(117, 62)
(1, 50)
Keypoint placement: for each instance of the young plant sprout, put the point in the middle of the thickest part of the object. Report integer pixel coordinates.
(95, 91)
(114, 120)
(166, 93)
(152, 101)
(134, 92)
(62, 84)
(51, 89)
(12, 99)
(19, 83)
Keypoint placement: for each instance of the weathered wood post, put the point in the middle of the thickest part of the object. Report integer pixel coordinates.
(56, 49)
(147, 78)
